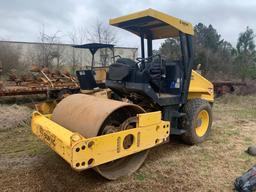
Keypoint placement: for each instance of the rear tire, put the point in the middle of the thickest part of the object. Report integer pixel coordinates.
(197, 122)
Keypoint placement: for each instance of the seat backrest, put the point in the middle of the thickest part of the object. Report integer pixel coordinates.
(155, 69)
(173, 78)
(86, 79)
(165, 76)
(118, 71)
(123, 68)
(127, 61)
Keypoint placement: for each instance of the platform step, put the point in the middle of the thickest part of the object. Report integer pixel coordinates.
(166, 96)
(177, 131)
(178, 114)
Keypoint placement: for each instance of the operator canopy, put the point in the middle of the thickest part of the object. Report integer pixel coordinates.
(93, 47)
(152, 24)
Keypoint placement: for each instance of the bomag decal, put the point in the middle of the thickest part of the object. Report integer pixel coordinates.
(184, 23)
(46, 136)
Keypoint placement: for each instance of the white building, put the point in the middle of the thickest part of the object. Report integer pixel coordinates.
(64, 55)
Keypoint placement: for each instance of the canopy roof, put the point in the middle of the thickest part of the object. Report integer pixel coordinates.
(153, 24)
(93, 47)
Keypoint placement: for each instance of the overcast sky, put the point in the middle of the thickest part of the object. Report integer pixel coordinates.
(21, 20)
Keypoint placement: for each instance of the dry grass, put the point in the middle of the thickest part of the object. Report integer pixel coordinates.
(15, 132)
(210, 166)
(22, 99)
(13, 116)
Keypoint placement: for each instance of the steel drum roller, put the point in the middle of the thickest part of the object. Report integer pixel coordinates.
(92, 116)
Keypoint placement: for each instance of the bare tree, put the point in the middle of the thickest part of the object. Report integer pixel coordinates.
(50, 49)
(9, 58)
(77, 36)
(101, 33)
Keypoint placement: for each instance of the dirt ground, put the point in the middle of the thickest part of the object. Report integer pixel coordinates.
(26, 164)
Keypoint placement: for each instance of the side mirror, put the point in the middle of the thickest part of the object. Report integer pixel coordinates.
(198, 66)
(198, 70)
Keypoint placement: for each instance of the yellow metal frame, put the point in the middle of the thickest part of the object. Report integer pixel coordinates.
(171, 29)
(200, 88)
(83, 153)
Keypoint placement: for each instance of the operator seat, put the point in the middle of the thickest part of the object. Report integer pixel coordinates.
(128, 62)
(127, 70)
(159, 75)
(120, 70)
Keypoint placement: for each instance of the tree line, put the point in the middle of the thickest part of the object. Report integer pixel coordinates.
(218, 58)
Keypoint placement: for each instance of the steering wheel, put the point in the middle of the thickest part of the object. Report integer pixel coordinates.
(116, 56)
(139, 59)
